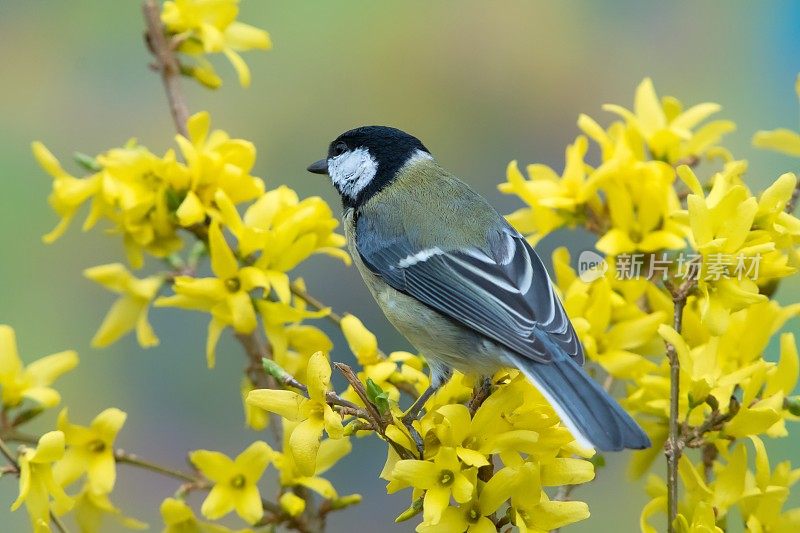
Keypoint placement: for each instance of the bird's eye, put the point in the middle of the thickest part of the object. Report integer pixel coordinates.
(339, 149)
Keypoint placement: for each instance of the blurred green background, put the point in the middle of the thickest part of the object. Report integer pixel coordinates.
(480, 83)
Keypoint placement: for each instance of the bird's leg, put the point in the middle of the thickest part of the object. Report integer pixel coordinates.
(438, 378)
(483, 388)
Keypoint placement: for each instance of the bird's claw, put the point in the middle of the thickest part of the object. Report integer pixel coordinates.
(408, 422)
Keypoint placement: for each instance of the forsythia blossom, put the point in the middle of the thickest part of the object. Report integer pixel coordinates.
(226, 296)
(484, 454)
(207, 27)
(36, 482)
(129, 312)
(33, 381)
(644, 197)
(148, 198)
(90, 450)
(234, 481)
(313, 413)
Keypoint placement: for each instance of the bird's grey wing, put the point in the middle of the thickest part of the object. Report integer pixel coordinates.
(502, 291)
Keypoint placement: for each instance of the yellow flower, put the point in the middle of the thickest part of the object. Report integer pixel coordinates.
(293, 342)
(440, 479)
(781, 140)
(639, 209)
(130, 310)
(293, 504)
(314, 413)
(330, 452)
(69, 192)
(234, 481)
(91, 510)
(723, 232)
(129, 189)
(179, 518)
(554, 200)
(226, 296)
(531, 508)
(467, 517)
(667, 128)
(283, 229)
(33, 381)
(36, 483)
(211, 27)
(214, 162)
(389, 372)
(363, 343)
(488, 431)
(614, 331)
(135, 197)
(148, 198)
(764, 493)
(254, 417)
(771, 217)
(90, 450)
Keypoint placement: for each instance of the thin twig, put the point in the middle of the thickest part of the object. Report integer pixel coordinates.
(372, 411)
(378, 422)
(257, 351)
(8, 454)
(123, 457)
(332, 315)
(167, 64)
(673, 448)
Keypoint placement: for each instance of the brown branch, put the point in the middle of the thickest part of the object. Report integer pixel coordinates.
(316, 304)
(378, 421)
(256, 351)
(673, 447)
(123, 457)
(372, 412)
(167, 64)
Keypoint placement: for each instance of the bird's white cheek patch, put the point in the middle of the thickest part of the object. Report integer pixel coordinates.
(352, 171)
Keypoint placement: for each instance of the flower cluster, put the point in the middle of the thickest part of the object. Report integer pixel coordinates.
(645, 199)
(203, 27)
(150, 199)
(61, 457)
(515, 430)
(159, 205)
(147, 198)
(686, 354)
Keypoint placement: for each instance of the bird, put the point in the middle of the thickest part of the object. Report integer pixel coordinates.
(464, 287)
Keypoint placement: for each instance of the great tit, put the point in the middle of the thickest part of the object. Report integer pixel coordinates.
(463, 286)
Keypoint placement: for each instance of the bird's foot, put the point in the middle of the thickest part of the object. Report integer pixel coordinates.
(408, 421)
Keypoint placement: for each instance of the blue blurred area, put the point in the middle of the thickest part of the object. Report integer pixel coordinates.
(480, 83)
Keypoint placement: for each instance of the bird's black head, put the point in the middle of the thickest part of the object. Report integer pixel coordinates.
(362, 161)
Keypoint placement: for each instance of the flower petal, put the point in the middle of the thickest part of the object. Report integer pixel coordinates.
(248, 504)
(304, 445)
(216, 466)
(285, 403)
(219, 502)
(254, 460)
(223, 262)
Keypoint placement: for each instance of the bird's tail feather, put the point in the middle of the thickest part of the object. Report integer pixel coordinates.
(595, 419)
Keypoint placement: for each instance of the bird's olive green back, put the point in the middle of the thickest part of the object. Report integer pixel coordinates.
(431, 207)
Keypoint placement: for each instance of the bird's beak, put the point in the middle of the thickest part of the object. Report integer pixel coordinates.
(319, 167)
